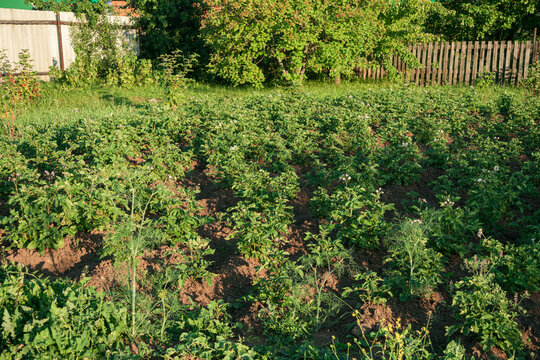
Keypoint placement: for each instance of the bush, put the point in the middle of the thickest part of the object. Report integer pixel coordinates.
(16, 90)
(102, 55)
(252, 41)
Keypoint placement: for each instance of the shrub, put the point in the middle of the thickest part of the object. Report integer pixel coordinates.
(16, 90)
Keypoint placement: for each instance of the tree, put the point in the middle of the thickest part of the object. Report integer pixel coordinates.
(485, 19)
(169, 25)
(253, 40)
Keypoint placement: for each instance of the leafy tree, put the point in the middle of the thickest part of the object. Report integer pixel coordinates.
(252, 41)
(484, 19)
(169, 25)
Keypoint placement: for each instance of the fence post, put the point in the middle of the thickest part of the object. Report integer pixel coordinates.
(60, 46)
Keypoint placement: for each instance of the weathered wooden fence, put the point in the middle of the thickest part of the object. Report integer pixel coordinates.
(47, 36)
(464, 62)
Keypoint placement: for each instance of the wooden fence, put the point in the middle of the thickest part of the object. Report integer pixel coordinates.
(464, 62)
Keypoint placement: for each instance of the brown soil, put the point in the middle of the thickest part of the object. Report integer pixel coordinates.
(79, 255)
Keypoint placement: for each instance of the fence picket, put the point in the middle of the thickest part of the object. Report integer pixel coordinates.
(468, 63)
(528, 48)
(508, 58)
(488, 56)
(520, 62)
(515, 53)
(429, 67)
(440, 68)
(502, 52)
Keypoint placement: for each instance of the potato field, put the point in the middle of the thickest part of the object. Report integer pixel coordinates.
(352, 222)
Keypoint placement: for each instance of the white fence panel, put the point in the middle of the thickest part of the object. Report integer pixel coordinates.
(38, 32)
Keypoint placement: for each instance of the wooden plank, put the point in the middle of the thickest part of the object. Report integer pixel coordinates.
(440, 62)
(424, 65)
(60, 45)
(507, 62)
(462, 59)
(482, 57)
(502, 52)
(495, 58)
(474, 72)
(468, 63)
(455, 65)
(429, 65)
(515, 55)
(528, 48)
(520, 64)
(419, 57)
(450, 63)
(434, 68)
(413, 70)
(488, 56)
(54, 22)
(422, 70)
(455, 72)
(444, 63)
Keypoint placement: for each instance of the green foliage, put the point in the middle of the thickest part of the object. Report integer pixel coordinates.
(103, 55)
(16, 90)
(515, 267)
(175, 68)
(295, 295)
(355, 214)
(89, 8)
(371, 289)
(168, 26)
(532, 82)
(485, 79)
(417, 268)
(484, 19)
(207, 333)
(50, 320)
(450, 227)
(484, 310)
(252, 41)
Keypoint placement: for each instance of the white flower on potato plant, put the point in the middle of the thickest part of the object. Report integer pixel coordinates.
(480, 180)
(447, 202)
(480, 233)
(404, 144)
(379, 191)
(495, 168)
(49, 175)
(350, 96)
(422, 200)
(345, 177)
(416, 221)
(233, 148)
